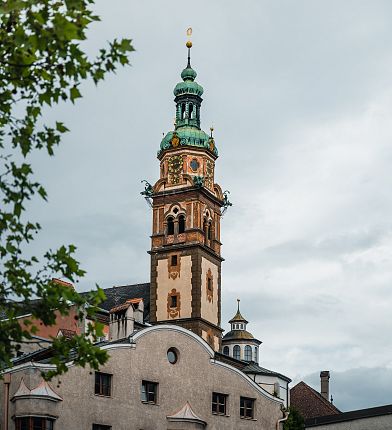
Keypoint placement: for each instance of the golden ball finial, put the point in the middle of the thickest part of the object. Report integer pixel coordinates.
(189, 44)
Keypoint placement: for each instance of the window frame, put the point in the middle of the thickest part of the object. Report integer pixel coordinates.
(237, 348)
(226, 348)
(220, 400)
(146, 392)
(30, 424)
(101, 385)
(244, 408)
(248, 353)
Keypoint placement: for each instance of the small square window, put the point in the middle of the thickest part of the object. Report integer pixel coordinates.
(219, 402)
(174, 260)
(149, 392)
(103, 384)
(247, 407)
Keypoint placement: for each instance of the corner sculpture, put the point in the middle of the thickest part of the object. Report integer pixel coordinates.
(226, 202)
(148, 192)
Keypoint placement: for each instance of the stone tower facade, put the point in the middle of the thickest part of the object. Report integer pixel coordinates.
(185, 247)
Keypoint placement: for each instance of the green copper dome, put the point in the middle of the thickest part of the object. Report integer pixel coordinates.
(188, 87)
(189, 136)
(188, 74)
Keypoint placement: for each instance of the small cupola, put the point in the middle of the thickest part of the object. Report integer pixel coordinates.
(238, 322)
(238, 342)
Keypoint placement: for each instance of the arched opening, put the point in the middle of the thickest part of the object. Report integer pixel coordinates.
(248, 353)
(182, 110)
(170, 226)
(209, 233)
(226, 350)
(181, 224)
(237, 352)
(190, 111)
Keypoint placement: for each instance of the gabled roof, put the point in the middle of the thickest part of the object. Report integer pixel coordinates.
(309, 403)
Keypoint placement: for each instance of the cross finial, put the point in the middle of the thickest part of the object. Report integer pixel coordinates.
(211, 130)
(238, 304)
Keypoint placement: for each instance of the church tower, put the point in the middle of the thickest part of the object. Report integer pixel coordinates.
(185, 246)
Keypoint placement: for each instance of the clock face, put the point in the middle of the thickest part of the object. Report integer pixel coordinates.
(194, 165)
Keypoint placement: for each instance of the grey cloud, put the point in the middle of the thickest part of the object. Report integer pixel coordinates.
(357, 388)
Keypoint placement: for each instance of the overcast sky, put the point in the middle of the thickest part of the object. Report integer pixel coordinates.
(299, 94)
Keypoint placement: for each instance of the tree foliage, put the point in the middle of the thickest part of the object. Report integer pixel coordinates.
(42, 63)
(295, 420)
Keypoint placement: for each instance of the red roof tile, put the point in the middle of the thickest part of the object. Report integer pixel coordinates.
(309, 403)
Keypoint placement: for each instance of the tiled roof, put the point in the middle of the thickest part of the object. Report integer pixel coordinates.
(309, 403)
(349, 416)
(116, 296)
(254, 368)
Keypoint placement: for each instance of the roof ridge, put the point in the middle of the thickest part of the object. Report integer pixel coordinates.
(319, 396)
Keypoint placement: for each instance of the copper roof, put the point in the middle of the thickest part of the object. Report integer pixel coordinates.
(239, 335)
(309, 403)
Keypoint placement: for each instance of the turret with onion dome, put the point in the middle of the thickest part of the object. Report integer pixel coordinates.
(187, 131)
(238, 342)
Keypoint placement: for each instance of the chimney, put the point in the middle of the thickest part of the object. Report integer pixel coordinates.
(324, 379)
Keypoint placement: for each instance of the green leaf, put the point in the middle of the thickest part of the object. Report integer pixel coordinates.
(61, 127)
(74, 94)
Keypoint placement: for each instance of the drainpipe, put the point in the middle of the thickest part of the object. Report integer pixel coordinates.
(281, 420)
(7, 381)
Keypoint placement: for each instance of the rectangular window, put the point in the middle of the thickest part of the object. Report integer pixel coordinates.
(149, 392)
(103, 384)
(219, 402)
(101, 427)
(33, 423)
(247, 407)
(173, 301)
(173, 260)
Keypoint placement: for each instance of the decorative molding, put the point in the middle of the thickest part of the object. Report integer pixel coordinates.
(174, 270)
(210, 286)
(174, 312)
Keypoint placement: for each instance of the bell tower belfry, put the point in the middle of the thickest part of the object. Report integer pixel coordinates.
(186, 201)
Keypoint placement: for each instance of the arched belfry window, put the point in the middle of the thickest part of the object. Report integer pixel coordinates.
(226, 350)
(237, 352)
(248, 353)
(190, 111)
(181, 224)
(209, 233)
(182, 110)
(170, 225)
